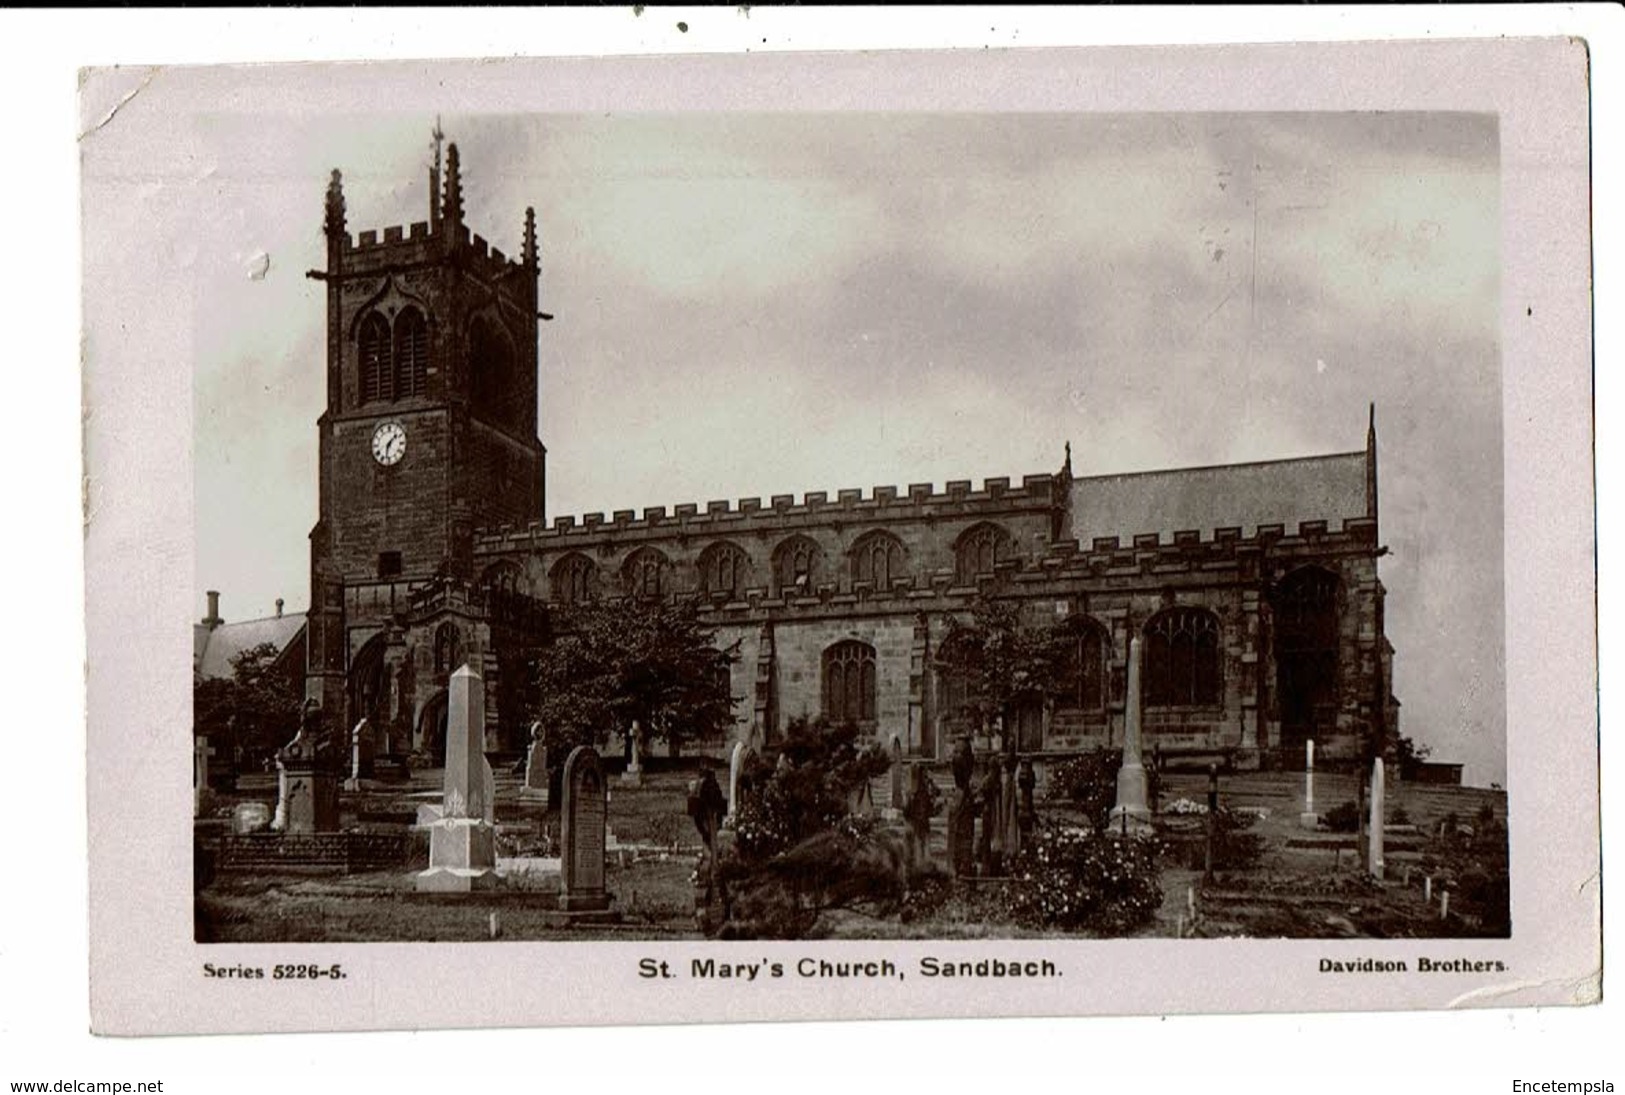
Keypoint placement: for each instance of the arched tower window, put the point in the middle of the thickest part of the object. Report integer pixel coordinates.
(1182, 658)
(575, 580)
(979, 550)
(448, 648)
(796, 567)
(376, 382)
(411, 354)
(1083, 668)
(645, 574)
(849, 681)
(498, 396)
(879, 558)
(724, 568)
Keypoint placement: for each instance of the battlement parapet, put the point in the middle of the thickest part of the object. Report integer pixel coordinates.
(996, 499)
(402, 245)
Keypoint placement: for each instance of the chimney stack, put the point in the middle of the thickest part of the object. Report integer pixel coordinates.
(213, 620)
(279, 608)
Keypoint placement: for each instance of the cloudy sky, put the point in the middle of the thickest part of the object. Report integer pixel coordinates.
(750, 304)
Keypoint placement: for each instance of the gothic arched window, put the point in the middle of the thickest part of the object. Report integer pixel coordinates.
(879, 558)
(1306, 613)
(723, 569)
(796, 566)
(978, 551)
(1083, 668)
(849, 681)
(1182, 658)
(506, 593)
(376, 382)
(411, 354)
(645, 574)
(448, 648)
(575, 580)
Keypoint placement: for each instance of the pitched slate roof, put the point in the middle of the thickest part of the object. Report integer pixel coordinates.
(212, 651)
(1275, 492)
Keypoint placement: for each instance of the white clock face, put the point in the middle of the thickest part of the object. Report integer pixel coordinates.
(389, 443)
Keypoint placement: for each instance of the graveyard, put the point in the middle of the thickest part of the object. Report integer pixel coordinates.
(983, 845)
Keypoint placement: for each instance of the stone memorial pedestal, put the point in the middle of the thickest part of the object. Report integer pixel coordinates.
(462, 843)
(1131, 814)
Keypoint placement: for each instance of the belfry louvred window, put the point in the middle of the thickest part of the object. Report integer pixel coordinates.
(411, 354)
(376, 379)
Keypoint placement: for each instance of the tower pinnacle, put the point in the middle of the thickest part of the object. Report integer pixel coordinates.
(333, 224)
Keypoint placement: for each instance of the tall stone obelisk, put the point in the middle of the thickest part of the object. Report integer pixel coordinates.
(1131, 814)
(462, 844)
(1374, 833)
(1308, 818)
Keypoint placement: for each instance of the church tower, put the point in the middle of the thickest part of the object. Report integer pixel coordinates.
(430, 426)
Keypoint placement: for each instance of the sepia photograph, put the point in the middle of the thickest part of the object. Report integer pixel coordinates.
(1199, 668)
(649, 524)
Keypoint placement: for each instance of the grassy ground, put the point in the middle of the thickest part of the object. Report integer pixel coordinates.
(1291, 892)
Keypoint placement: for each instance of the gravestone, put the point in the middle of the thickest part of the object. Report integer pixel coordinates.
(201, 752)
(634, 767)
(895, 798)
(311, 761)
(1131, 814)
(279, 820)
(1309, 819)
(920, 808)
(582, 832)
(1026, 815)
(736, 762)
(990, 843)
(962, 810)
(1374, 834)
(536, 784)
(360, 755)
(1009, 811)
(462, 843)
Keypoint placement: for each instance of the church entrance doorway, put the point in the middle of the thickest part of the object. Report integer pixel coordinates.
(431, 733)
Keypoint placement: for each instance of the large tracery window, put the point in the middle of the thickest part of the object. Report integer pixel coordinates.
(879, 559)
(1083, 669)
(723, 569)
(978, 551)
(645, 575)
(796, 566)
(575, 580)
(849, 681)
(1306, 625)
(1182, 658)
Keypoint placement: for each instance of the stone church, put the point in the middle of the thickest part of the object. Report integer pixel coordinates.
(1254, 587)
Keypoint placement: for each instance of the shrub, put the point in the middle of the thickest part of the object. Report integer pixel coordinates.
(1342, 818)
(1089, 782)
(1072, 878)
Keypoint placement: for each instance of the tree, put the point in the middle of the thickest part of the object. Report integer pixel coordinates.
(629, 660)
(254, 709)
(1001, 660)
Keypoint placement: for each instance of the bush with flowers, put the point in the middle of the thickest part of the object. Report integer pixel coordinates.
(1073, 878)
(797, 847)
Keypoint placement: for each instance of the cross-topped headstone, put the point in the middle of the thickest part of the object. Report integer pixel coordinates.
(201, 752)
